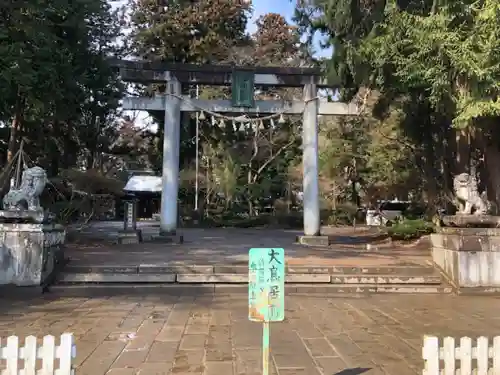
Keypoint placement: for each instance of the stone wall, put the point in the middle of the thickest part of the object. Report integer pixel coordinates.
(29, 253)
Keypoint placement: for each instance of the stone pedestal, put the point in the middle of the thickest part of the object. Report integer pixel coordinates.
(168, 238)
(313, 240)
(469, 257)
(30, 254)
(129, 236)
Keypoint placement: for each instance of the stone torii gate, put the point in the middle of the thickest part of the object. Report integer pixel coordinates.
(243, 80)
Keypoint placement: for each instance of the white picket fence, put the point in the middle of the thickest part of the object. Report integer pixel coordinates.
(481, 359)
(16, 360)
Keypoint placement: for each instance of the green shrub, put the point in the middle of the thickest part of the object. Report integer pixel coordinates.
(410, 229)
(292, 220)
(343, 215)
(249, 222)
(339, 217)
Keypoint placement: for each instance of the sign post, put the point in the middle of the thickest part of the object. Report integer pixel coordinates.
(130, 217)
(266, 292)
(130, 233)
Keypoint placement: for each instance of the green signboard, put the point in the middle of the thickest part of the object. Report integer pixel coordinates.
(266, 284)
(266, 292)
(242, 89)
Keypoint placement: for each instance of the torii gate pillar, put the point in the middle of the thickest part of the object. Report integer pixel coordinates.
(310, 162)
(170, 167)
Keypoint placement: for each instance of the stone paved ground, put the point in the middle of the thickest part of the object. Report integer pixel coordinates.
(229, 246)
(149, 332)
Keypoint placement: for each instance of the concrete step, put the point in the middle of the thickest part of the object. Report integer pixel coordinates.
(374, 288)
(131, 278)
(188, 278)
(479, 290)
(400, 270)
(435, 279)
(292, 288)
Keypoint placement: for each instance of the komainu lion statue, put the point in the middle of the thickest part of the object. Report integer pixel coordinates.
(33, 181)
(466, 191)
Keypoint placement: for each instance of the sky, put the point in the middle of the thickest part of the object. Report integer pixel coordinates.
(261, 7)
(286, 9)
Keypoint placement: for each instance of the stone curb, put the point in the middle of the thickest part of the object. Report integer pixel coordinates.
(480, 290)
(220, 269)
(116, 278)
(203, 289)
(243, 279)
(387, 279)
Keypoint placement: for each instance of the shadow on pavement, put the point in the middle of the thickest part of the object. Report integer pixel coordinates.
(353, 371)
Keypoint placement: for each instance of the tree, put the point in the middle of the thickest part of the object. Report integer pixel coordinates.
(368, 159)
(435, 60)
(54, 71)
(187, 31)
(275, 42)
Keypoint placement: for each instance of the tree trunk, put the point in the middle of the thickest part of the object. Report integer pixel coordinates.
(15, 126)
(462, 151)
(90, 160)
(250, 207)
(355, 196)
(250, 195)
(488, 142)
(431, 188)
(443, 151)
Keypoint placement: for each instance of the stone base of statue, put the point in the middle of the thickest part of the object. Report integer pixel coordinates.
(471, 221)
(22, 216)
(469, 252)
(31, 249)
(467, 246)
(30, 254)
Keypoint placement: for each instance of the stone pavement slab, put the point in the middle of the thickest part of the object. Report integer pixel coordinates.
(229, 247)
(145, 331)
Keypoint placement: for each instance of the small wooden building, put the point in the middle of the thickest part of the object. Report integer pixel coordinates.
(144, 187)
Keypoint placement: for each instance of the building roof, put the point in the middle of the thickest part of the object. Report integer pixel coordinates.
(150, 184)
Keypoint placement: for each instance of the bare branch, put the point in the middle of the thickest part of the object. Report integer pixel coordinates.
(271, 159)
